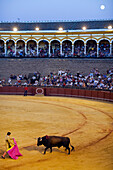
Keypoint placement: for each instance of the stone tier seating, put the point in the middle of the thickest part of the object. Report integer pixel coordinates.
(45, 66)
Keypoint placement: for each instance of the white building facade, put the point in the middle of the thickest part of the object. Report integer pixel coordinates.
(56, 43)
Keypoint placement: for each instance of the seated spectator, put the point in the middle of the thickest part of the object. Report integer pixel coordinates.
(62, 78)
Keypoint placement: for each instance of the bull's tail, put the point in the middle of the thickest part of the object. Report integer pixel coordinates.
(72, 147)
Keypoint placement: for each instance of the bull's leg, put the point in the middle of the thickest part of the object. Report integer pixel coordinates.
(72, 148)
(45, 150)
(50, 149)
(68, 150)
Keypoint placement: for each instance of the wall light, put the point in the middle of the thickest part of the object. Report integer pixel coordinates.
(60, 29)
(37, 28)
(109, 27)
(15, 29)
(84, 28)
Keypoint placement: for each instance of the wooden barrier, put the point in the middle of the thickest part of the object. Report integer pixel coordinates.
(88, 93)
(61, 92)
(91, 94)
(94, 94)
(107, 95)
(111, 96)
(68, 92)
(75, 92)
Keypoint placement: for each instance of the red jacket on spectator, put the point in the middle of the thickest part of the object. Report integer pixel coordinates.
(26, 88)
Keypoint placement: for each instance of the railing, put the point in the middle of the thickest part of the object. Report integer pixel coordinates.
(56, 56)
(65, 92)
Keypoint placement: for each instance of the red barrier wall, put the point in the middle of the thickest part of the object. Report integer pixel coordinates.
(91, 94)
(68, 92)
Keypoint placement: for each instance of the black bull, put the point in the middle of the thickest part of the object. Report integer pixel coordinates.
(54, 141)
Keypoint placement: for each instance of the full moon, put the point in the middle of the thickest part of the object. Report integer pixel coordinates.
(102, 7)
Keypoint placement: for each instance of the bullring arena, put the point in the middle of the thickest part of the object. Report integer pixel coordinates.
(88, 123)
(71, 63)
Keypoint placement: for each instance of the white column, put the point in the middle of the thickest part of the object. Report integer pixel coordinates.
(84, 48)
(15, 49)
(72, 49)
(97, 50)
(37, 49)
(61, 48)
(25, 48)
(49, 49)
(110, 49)
(5, 49)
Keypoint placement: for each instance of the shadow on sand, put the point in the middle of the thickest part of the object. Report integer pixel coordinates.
(41, 149)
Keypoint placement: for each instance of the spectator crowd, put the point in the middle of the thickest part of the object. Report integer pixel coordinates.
(104, 50)
(94, 80)
(43, 49)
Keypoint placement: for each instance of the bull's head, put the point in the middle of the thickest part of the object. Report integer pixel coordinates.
(39, 141)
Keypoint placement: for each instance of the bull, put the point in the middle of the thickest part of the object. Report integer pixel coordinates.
(54, 141)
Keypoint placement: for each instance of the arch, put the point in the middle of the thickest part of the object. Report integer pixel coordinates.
(78, 40)
(43, 40)
(10, 47)
(2, 50)
(79, 48)
(31, 40)
(20, 48)
(93, 39)
(3, 40)
(67, 48)
(67, 40)
(104, 39)
(91, 48)
(10, 39)
(104, 48)
(54, 40)
(55, 48)
(20, 40)
(32, 47)
(43, 48)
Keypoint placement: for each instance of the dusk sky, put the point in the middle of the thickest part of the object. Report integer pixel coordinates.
(41, 10)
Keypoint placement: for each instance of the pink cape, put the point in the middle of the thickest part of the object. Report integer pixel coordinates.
(14, 151)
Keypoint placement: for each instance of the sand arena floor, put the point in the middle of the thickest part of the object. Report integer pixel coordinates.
(88, 123)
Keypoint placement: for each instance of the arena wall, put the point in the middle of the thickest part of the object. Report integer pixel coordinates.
(64, 92)
(47, 65)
